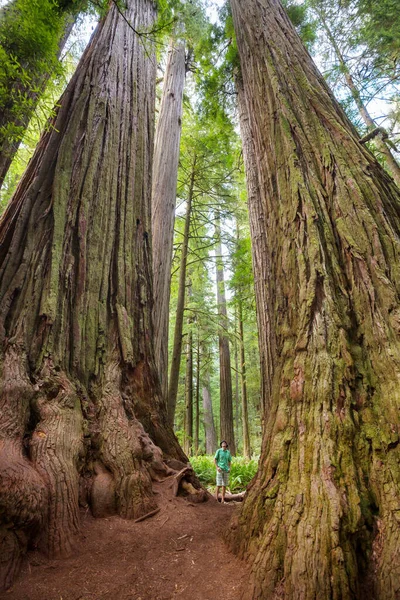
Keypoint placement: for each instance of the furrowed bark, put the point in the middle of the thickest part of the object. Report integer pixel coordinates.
(79, 389)
(226, 399)
(321, 517)
(165, 175)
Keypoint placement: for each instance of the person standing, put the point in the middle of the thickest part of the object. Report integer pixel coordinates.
(222, 461)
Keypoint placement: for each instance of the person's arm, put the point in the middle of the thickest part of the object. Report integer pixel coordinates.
(215, 461)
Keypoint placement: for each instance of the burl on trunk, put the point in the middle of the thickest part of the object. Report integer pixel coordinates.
(82, 416)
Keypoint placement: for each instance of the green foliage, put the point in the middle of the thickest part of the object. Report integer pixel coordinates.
(242, 471)
(305, 25)
(380, 29)
(29, 34)
(356, 67)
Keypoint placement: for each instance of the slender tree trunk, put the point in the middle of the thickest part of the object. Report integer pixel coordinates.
(226, 400)
(23, 93)
(237, 393)
(188, 421)
(245, 412)
(79, 391)
(208, 416)
(177, 348)
(391, 162)
(197, 420)
(320, 519)
(165, 175)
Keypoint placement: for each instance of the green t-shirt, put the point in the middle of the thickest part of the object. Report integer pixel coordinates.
(223, 458)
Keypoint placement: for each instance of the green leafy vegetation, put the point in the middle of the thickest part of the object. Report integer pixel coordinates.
(242, 471)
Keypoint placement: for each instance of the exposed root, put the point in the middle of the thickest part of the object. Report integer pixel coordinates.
(150, 514)
(55, 447)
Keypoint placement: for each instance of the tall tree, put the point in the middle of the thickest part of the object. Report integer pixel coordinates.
(226, 398)
(178, 339)
(243, 384)
(320, 517)
(165, 175)
(197, 413)
(208, 416)
(79, 389)
(380, 30)
(332, 21)
(32, 37)
(188, 421)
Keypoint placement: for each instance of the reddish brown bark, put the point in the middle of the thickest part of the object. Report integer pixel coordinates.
(320, 519)
(80, 398)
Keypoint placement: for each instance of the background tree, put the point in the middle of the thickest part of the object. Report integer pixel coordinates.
(226, 397)
(32, 37)
(79, 391)
(165, 176)
(381, 30)
(350, 65)
(327, 258)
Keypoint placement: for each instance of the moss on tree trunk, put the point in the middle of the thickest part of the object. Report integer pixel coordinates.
(321, 519)
(82, 418)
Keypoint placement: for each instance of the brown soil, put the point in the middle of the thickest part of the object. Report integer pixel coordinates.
(178, 553)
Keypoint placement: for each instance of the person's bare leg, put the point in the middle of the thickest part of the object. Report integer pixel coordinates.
(223, 495)
(216, 493)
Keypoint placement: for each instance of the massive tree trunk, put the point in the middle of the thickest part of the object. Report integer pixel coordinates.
(321, 517)
(225, 376)
(180, 307)
(165, 175)
(23, 85)
(208, 416)
(79, 393)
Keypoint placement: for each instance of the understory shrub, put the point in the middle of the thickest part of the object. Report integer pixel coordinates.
(242, 471)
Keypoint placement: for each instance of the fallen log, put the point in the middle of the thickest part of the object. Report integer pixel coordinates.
(234, 497)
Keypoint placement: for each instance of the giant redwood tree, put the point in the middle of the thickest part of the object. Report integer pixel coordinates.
(321, 519)
(81, 414)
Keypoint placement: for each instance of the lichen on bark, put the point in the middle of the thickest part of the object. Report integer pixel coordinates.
(320, 517)
(82, 416)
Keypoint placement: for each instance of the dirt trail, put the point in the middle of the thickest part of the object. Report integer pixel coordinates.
(178, 553)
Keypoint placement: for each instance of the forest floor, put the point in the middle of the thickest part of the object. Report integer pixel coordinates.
(177, 554)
